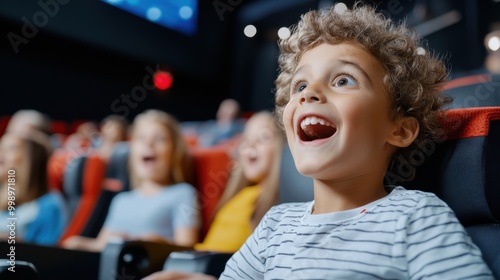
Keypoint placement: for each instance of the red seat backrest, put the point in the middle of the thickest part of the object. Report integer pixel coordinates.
(93, 178)
(56, 166)
(4, 121)
(212, 167)
(59, 127)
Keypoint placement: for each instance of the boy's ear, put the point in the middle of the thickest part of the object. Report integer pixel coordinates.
(404, 133)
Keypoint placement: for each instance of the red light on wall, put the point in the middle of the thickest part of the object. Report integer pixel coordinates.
(163, 80)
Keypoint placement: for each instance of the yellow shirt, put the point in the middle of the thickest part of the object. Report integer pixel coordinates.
(231, 225)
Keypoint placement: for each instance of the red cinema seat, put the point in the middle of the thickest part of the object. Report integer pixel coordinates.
(56, 167)
(212, 166)
(59, 127)
(92, 180)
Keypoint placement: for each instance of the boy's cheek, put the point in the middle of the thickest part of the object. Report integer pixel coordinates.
(288, 118)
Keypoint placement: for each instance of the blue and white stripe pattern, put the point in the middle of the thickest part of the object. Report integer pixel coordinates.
(405, 235)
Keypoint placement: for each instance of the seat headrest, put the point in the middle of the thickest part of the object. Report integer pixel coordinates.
(474, 91)
(118, 164)
(294, 187)
(463, 169)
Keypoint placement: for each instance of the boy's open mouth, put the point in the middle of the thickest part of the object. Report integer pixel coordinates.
(313, 128)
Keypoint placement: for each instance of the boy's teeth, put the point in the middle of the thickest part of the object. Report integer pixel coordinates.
(313, 120)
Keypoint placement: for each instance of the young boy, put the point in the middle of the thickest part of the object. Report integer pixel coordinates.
(353, 91)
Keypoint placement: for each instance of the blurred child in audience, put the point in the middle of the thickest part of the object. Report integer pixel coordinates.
(32, 119)
(162, 206)
(226, 125)
(40, 214)
(113, 129)
(86, 137)
(252, 187)
(251, 190)
(24, 120)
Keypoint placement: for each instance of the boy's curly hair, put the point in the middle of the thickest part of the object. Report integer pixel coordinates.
(413, 79)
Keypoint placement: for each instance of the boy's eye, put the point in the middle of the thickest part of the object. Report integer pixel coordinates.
(298, 87)
(343, 81)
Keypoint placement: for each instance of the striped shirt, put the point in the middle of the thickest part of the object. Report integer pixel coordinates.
(405, 235)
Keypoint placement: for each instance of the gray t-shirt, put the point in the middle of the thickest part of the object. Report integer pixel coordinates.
(405, 235)
(136, 213)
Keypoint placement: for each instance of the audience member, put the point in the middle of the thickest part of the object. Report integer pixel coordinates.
(226, 125)
(86, 137)
(113, 129)
(29, 119)
(39, 215)
(252, 188)
(162, 207)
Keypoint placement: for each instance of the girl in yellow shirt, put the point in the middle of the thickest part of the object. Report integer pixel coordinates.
(252, 188)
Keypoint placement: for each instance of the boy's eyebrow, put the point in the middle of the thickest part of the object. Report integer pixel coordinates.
(355, 65)
(343, 62)
(300, 69)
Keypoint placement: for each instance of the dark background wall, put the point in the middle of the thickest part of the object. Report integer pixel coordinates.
(89, 54)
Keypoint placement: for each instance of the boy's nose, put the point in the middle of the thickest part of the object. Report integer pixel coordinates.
(310, 95)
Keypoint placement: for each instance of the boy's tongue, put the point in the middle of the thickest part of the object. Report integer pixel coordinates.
(317, 131)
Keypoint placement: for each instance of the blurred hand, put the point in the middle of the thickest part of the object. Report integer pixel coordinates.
(150, 237)
(4, 236)
(91, 244)
(73, 242)
(174, 275)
